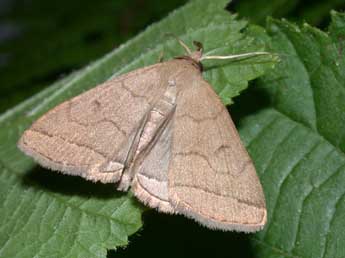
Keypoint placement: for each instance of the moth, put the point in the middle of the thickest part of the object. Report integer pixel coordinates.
(162, 132)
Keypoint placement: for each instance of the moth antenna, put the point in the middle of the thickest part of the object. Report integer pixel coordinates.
(184, 45)
(239, 56)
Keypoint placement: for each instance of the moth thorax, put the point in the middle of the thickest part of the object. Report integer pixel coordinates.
(196, 56)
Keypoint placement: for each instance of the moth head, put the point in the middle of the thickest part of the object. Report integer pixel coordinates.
(198, 56)
(194, 55)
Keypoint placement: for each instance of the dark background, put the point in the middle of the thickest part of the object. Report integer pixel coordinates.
(42, 41)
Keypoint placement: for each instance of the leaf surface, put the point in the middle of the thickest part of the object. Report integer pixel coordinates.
(297, 143)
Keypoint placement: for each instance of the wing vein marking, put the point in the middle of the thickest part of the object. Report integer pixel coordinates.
(245, 164)
(147, 191)
(51, 160)
(208, 162)
(248, 203)
(221, 147)
(134, 95)
(225, 157)
(221, 219)
(104, 155)
(103, 120)
(197, 120)
(152, 178)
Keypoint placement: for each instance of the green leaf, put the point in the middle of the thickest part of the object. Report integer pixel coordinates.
(297, 141)
(44, 214)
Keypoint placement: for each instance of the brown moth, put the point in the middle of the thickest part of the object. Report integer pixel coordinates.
(162, 132)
